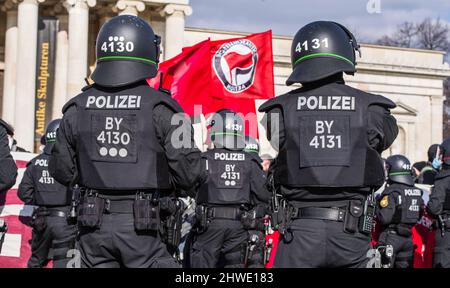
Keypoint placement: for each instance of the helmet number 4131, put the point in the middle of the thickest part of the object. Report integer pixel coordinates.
(315, 44)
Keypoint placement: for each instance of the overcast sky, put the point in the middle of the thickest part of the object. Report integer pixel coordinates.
(285, 17)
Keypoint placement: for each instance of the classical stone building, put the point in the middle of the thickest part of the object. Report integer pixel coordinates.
(410, 77)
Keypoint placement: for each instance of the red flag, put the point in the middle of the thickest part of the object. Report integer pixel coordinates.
(229, 73)
(423, 239)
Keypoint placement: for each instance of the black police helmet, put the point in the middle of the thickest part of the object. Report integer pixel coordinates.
(432, 152)
(251, 145)
(227, 130)
(445, 152)
(9, 129)
(50, 134)
(127, 52)
(321, 49)
(399, 170)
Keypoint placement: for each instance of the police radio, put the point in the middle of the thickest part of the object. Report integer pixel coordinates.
(367, 221)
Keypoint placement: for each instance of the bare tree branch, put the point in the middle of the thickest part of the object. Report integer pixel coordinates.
(433, 35)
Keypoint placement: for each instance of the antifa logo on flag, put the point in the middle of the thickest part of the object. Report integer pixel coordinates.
(235, 65)
(227, 73)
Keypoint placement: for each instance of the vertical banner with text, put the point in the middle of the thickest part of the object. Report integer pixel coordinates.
(45, 75)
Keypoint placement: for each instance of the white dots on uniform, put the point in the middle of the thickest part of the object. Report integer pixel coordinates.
(116, 38)
(110, 38)
(123, 152)
(227, 183)
(113, 152)
(121, 38)
(233, 183)
(103, 151)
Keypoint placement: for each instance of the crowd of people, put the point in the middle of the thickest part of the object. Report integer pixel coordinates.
(112, 184)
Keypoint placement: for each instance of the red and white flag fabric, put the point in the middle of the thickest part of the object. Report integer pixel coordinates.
(16, 249)
(229, 73)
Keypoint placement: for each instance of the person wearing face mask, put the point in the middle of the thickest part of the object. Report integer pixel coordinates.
(428, 173)
(439, 207)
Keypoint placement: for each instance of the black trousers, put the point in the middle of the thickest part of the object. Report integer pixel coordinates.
(116, 244)
(441, 255)
(403, 248)
(59, 236)
(220, 246)
(321, 243)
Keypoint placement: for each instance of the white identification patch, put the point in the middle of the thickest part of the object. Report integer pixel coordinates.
(332, 103)
(11, 245)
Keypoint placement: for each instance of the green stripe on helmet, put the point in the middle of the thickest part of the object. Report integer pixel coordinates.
(226, 134)
(314, 55)
(127, 58)
(399, 173)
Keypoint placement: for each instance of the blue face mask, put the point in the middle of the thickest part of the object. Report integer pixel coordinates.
(436, 163)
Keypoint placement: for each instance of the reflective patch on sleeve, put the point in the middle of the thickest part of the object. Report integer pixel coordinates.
(384, 201)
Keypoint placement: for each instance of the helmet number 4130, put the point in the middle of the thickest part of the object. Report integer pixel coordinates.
(117, 44)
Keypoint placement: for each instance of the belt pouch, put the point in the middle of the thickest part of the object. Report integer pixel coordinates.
(91, 211)
(355, 210)
(146, 215)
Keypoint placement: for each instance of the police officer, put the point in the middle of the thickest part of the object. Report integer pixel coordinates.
(115, 142)
(252, 146)
(230, 201)
(329, 136)
(8, 171)
(399, 209)
(8, 168)
(50, 227)
(439, 207)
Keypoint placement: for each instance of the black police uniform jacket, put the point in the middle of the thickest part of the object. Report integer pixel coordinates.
(326, 139)
(400, 204)
(39, 188)
(116, 145)
(8, 168)
(121, 139)
(233, 178)
(439, 202)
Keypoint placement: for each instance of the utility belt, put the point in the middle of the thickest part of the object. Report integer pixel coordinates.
(50, 212)
(39, 217)
(356, 215)
(404, 230)
(250, 218)
(150, 212)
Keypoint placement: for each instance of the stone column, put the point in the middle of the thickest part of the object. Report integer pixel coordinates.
(77, 62)
(60, 96)
(437, 102)
(9, 80)
(27, 21)
(174, 34)
(128, 7)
